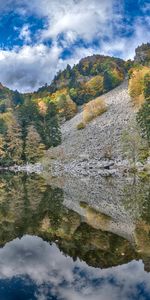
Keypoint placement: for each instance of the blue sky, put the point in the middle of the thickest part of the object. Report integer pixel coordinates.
(34, 269)
(39, 37)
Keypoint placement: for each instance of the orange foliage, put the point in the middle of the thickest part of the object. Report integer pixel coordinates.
(42, 107)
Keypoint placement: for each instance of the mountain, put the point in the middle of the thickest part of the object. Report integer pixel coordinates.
(91, 77)
(9, 99)
(30, 123)
(142, 54)
(105, 130)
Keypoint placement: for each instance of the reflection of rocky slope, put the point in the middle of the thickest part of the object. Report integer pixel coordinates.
(119, 198)
(119, 206)
(28, 205)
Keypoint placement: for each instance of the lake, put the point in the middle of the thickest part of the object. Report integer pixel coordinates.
(70, 239)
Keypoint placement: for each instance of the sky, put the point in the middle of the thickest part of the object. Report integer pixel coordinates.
(40, 37)
(33, 269)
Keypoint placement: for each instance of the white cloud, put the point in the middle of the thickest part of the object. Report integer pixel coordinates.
(84, 18)
(54, 273)
(66, 22)
(28, 67)
(25, 34)
(127, 45)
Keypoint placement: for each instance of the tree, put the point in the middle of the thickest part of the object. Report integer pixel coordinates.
(2, 149)
(14, 143)
(95, 86)
(143, 116)
(28, 114)
(147, 86)
(48, 127)
(34, 149)
(132, 143)
(66, 107)
(17, 98)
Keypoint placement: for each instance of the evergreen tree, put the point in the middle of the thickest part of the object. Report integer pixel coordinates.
(108, 81)
(143, 116)
(48, 127)
(53, 133)
(147, 87)
(2, 149)
(17, 98)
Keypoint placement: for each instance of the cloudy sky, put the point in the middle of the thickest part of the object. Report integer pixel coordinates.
(32, 269)
(40, 37)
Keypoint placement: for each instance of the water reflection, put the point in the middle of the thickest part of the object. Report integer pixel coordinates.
(33, 269)
(100, 235)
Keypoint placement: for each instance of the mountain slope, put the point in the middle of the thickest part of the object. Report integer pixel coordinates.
(102, 138)
(90, 78)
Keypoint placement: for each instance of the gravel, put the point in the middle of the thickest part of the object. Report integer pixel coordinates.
(85, 151)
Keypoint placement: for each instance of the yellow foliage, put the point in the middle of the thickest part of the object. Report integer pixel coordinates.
(81, 126)
(93, 109)
(118, 74)
(55, 96)
(7, 117)
(95, 85)
(136, 85)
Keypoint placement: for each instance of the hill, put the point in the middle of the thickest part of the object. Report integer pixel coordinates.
(30, 123)
(90, 78)
(142, 54)
(87, 151)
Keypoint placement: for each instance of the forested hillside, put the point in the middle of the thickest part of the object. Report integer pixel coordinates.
(30, 123)
(139, 87)
(90, 78)
(26, 128)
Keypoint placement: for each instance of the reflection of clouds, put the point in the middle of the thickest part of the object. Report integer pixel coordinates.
(56, 274)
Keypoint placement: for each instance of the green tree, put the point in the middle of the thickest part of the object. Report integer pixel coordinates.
(143, 116)
(147, 86)
(17, 98)
(2, 149)
(48, 127)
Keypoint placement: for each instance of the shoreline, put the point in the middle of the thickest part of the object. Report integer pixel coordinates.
(28, 168)
(83, 168)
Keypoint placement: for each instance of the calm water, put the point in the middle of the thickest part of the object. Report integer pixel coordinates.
(54, 245)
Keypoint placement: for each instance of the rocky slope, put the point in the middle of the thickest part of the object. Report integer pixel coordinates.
(100, 143)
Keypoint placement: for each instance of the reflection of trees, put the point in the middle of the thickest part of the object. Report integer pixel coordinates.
(24, 201)
(137, 197)
(29, 206)
(97, 248)
(146, 207)
(137, 202)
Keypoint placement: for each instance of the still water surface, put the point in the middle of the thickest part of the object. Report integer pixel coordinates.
(57, 246)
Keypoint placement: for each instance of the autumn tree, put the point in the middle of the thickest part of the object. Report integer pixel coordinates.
(34, 148)
(14, 143)
(66, 107)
